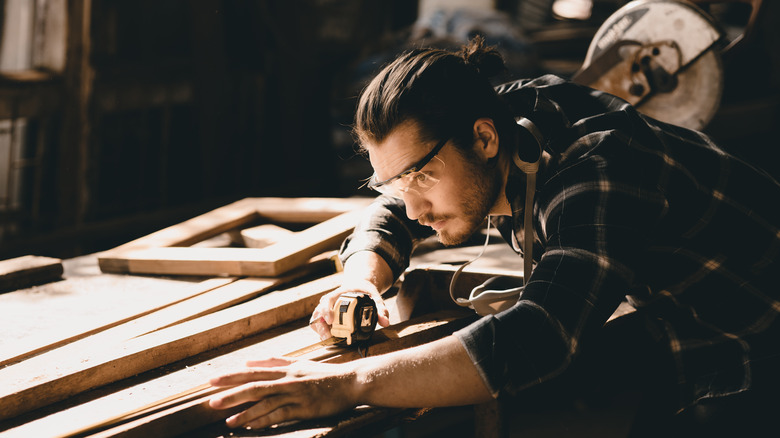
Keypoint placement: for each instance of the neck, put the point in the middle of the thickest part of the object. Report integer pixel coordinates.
(502, 207)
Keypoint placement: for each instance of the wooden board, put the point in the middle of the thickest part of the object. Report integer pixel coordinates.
(166, 251)
(205, 297)
(52, 376)
(51, 340)
(27, 271)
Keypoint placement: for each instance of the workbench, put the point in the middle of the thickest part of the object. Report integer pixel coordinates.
(87, 297)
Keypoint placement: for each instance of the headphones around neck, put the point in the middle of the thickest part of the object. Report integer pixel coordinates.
(528, 151)
(500, 293)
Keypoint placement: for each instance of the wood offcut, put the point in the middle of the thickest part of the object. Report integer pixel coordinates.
(27, 271)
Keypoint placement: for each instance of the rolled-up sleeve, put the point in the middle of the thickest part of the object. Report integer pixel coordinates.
(496, 348)
(386, 230)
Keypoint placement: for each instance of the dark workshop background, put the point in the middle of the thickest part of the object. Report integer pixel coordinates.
(121, 117)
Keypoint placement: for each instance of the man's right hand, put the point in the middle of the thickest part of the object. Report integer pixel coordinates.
(365, 272)
(322, 317)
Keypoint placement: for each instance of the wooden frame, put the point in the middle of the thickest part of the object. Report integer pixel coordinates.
(167, 252)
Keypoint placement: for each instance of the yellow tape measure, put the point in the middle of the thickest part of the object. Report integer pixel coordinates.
(354, 317)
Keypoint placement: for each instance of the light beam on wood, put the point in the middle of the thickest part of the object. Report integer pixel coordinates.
(168, 417)
(51, 377)
(54, 340)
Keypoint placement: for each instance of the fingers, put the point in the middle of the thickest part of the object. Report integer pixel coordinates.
(239, 395)
(263, 414)
(268, 409)
(321, 327)
(383, 315)
(270, 362)
(283, 390)
(242, 377)
(324, 309)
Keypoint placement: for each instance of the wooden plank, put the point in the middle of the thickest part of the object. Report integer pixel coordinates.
(193, 411)
(51, 377)
(50, 341)
(138, 392)
(26, 271)
(270, 261)
(209, 296)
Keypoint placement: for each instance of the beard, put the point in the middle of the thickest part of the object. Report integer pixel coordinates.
(474, 205)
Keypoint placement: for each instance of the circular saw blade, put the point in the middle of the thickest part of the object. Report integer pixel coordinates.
(682, 82)
(696, 98)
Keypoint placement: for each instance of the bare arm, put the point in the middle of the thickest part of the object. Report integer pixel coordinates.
(435, 374)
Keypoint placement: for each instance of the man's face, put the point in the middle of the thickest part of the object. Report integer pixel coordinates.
(458, 204)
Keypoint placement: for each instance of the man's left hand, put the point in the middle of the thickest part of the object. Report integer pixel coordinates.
(285, 390)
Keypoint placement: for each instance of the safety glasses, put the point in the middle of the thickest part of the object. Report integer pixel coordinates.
(414, 179)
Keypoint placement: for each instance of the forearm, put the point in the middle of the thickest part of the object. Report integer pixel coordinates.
(436, 374)
(367, 271)
(431, 375)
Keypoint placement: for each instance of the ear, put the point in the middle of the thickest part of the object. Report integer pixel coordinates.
(485, 138)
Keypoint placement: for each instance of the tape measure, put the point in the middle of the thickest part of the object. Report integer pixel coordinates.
(354, 317)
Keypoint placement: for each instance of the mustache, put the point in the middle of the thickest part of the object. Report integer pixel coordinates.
(430, 219)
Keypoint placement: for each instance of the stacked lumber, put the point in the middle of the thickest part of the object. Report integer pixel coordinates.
(142, 374)
(271, 324)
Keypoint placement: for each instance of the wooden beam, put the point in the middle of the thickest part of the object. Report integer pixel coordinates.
(273, 260)
(26, 271)
(51, 377)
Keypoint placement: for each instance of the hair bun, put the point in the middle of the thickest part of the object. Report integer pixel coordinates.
(486, 59)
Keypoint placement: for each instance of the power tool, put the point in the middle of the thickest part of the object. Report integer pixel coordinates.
(663, 57)
(354, 318)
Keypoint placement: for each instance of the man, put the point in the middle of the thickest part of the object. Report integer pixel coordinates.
(623, 207)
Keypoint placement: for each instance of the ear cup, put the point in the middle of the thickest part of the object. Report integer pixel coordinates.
(528, 152)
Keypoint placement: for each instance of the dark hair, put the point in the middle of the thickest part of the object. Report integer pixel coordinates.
(443, 91)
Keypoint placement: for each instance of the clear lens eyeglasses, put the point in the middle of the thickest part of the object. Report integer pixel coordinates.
(414, 179)
(415, 182)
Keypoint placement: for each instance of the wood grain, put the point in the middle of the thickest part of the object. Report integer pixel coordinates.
(51, 340)
(51, 376)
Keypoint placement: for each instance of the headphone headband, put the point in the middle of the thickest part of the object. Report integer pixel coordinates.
(531, 164)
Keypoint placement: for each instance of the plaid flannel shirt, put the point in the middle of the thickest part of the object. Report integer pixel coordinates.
(628, 208)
